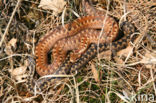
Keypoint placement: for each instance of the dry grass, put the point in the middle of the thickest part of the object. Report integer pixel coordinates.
(132, 73)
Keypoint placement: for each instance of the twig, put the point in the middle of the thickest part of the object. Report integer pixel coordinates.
(11, 18)
(102, 29)
(10, 56)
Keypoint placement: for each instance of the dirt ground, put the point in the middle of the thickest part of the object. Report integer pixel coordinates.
(129, 77)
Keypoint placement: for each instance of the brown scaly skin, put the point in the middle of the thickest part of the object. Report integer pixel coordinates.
(80, 42)
(127, 28)
(68, 67)
(92, 21)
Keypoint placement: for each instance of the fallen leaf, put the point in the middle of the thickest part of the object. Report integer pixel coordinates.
(21, 78)
(95, 73)
(56, 5)
(123, 53)
(18, 71)
(149, 59)
(8, 50)
(128, 50)
(12, 42)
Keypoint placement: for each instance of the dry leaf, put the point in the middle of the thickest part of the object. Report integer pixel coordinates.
(128, 51)
(125, 51)
(18, 71)
(8, 50)
(95, 73)
(20, 79)
(12, 42)
(56, 5)
(149, 59)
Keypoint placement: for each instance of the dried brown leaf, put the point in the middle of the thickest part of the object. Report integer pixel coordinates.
(12, 42)
(125, 51)
(149, 59)
(56, 5)
(95, 73)
(18, 71)
(8, 50)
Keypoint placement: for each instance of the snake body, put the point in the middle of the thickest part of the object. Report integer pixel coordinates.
(92, 21)
(128, 29)
(68, 67)
(82, 29)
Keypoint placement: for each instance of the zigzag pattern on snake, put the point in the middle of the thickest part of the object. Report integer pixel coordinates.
(68, 66)
(81, 40)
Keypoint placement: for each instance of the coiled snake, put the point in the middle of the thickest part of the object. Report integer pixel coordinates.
(93, 21)
(81, 33)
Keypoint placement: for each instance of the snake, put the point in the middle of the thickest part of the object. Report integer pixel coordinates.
(83, 29)
(68, 67)
(77, 27)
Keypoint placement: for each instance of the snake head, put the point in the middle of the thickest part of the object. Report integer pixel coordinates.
(128, 28)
